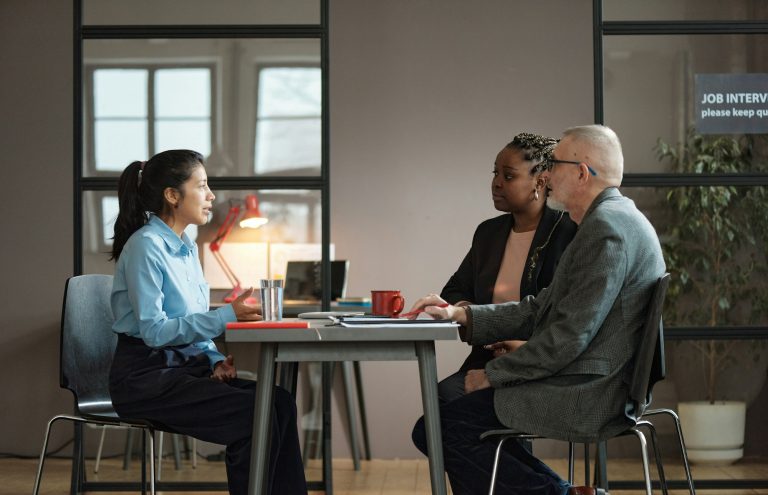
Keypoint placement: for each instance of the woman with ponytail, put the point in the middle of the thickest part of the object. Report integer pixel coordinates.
(166, 368)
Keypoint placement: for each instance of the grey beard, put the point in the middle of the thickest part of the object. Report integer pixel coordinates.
(555, 204)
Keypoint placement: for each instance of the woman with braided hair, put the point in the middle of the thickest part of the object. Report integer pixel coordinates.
(513, 255)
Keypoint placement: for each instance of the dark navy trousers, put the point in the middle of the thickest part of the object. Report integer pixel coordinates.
(172, 388)
(469, 460)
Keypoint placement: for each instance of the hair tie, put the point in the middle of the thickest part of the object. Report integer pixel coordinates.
(141, 169)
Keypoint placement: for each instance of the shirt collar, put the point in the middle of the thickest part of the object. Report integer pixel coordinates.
(175, 243)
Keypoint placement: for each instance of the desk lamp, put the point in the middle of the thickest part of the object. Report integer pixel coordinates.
(252, 218)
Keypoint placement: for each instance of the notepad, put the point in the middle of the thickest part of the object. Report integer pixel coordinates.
(244, 325)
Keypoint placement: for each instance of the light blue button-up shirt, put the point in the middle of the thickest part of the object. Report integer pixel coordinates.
(159, 293)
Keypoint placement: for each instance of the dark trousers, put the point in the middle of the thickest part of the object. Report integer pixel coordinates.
(469, 460)
(184, 399)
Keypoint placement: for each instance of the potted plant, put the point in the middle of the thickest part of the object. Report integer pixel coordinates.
(714, 249)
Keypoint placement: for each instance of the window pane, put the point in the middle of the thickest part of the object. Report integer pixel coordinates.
(288, 147)
(119, 142)
(717, 267)
(183, 134)
(152, 12)
(680, 10)
(650, 86)
(232, 110)
(183, 93)
(120, 93)
(289, 91)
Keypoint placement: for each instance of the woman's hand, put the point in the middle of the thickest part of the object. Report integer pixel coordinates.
(503, 347)
(243, 310)
(436, 307)
(224, 371)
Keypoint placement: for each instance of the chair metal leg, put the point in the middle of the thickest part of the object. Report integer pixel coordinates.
(41, 462)
(151, 435)
(194, 453)
(128, 449)
(644, 451)
(570, 462)
(496, 458)
(681, 443)
(176, 451)
(159, 454)
(656, 455)
(347, 374)
(361, 408)
(100, 449)
(601, 465)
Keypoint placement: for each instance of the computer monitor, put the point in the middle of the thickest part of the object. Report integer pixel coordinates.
(303, 283)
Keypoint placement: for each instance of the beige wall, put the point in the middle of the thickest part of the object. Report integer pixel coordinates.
(423, 95)
(36, 220)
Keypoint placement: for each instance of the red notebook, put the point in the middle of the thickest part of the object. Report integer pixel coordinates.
(236, 325)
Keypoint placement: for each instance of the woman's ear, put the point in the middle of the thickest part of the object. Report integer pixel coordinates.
(171, 196)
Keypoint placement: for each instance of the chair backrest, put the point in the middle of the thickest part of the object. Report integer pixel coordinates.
(87, 341)
(649, 366)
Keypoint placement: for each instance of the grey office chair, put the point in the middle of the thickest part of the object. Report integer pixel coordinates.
(87, 345)
(649, 368)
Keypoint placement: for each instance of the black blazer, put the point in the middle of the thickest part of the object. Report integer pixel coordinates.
(476, 276)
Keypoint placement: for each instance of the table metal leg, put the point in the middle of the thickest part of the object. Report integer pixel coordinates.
(347, 373)
(425, 351)
(361, 407)
(261, 420)
(327, 379)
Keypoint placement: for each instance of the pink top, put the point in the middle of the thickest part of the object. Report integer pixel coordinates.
(507, 286)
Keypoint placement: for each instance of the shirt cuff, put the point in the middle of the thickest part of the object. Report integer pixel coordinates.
(465, 331)
(227, 314)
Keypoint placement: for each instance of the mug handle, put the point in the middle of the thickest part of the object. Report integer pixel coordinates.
(399, 304)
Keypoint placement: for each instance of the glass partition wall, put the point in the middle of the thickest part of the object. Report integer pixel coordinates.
(244, 84)
(704, 191)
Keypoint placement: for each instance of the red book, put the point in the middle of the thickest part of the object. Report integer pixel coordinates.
(236, 325)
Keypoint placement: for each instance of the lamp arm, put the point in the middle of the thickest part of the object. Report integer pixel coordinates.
(215, 247)
(225, 228)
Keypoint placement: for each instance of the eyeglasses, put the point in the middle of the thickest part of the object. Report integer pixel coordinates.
(552, 163)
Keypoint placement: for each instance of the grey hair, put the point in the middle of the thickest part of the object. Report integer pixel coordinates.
(607, 154)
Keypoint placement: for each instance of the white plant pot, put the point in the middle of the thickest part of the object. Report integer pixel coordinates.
(714, 433)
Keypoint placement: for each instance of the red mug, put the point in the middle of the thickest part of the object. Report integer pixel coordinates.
(386, 302)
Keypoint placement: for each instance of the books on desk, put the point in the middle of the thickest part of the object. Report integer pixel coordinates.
(249, 325)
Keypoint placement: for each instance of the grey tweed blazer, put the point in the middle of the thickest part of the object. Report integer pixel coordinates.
(570, 381)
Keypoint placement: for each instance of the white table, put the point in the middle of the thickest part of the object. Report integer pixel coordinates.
(394, 342)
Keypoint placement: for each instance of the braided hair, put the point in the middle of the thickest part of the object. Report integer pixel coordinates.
(535, 148)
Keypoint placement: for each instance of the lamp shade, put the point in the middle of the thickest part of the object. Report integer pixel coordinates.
(252, 218)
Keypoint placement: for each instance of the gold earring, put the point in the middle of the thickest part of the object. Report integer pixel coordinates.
(535, 194)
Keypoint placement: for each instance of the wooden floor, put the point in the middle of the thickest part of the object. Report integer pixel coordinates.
(379, 477)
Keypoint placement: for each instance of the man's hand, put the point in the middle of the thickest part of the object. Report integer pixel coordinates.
(475, 380)
(243, 310)
(503, 347)
(225, 370)
(436, 307)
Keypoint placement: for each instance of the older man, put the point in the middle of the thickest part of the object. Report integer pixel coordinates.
(570, 380)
